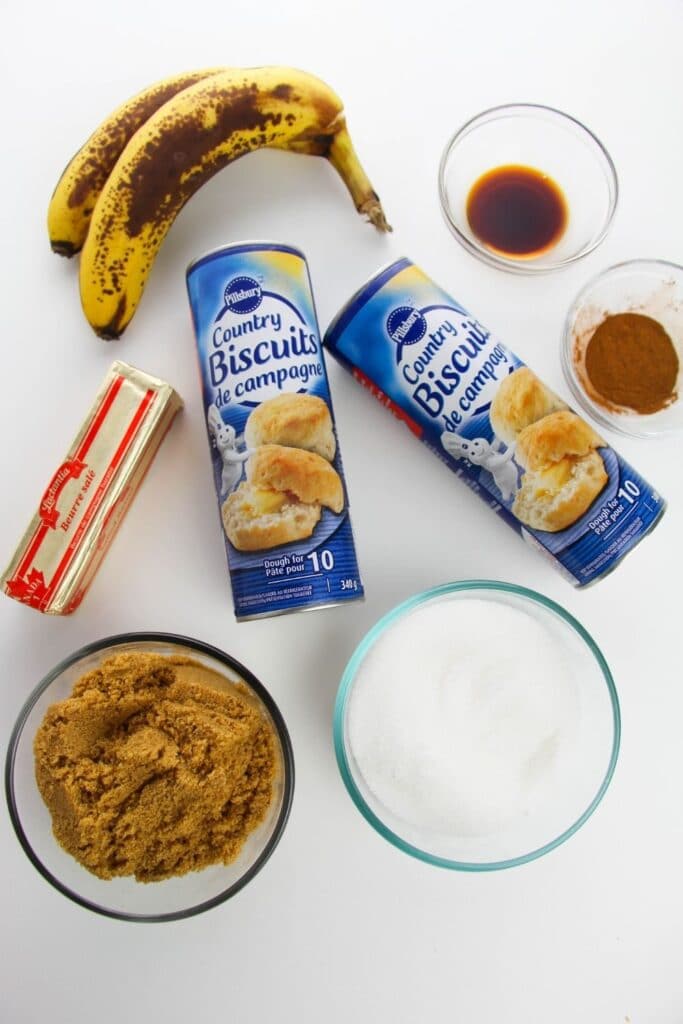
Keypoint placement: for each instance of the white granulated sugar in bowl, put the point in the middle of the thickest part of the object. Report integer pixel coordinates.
(460, 715)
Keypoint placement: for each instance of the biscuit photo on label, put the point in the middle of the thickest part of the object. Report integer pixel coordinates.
(564, 471)
(281, 500)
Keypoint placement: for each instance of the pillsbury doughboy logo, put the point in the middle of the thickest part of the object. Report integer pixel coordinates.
(406, 325)
(243, 295)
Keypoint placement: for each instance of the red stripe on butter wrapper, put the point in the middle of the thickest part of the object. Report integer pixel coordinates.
(128, 437)
(98, 419)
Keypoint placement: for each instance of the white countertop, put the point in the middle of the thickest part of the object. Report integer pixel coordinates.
(340, 926)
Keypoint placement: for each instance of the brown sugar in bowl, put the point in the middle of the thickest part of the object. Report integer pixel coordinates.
(121, 896)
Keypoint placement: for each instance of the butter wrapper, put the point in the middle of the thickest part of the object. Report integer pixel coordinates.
(89, 494)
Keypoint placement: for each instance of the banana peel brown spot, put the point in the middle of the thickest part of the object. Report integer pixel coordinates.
(114, 330)
(162, 180)
(320, 143)
(329, 114)
(67, 249)
(93, 175)
(283, 91)
(108, 146)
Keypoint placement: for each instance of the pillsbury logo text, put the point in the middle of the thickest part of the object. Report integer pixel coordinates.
(406, 325)
(243, 295)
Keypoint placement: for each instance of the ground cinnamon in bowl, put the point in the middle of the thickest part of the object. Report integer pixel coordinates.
(630, 362)
(622, 350)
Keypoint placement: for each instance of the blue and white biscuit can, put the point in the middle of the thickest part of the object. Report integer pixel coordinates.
(494, 423)
(276, 463)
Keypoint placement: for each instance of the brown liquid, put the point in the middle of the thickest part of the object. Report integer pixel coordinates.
(517, 210)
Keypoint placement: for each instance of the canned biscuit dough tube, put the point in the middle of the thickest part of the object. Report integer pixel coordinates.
(475, 404)
(275, 455)
(89, 494)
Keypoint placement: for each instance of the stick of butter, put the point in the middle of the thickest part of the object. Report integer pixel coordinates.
(88, 496)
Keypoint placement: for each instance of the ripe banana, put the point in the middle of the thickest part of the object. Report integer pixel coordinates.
(77, 190)
(195, 134)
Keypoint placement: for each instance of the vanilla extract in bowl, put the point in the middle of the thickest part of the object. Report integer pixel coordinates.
(519, 211)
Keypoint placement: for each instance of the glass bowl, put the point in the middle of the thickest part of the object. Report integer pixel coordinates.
(578, 778)
(651, 287)
(125, 898)
(549, 141)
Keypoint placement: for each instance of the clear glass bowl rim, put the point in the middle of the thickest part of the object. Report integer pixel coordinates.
(604, 417)
(346, 685)
(203, 648)
(486, 255)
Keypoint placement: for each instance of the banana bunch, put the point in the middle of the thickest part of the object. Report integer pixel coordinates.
(121, 192)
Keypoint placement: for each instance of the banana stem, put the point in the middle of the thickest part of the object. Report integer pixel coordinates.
(343, 158)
